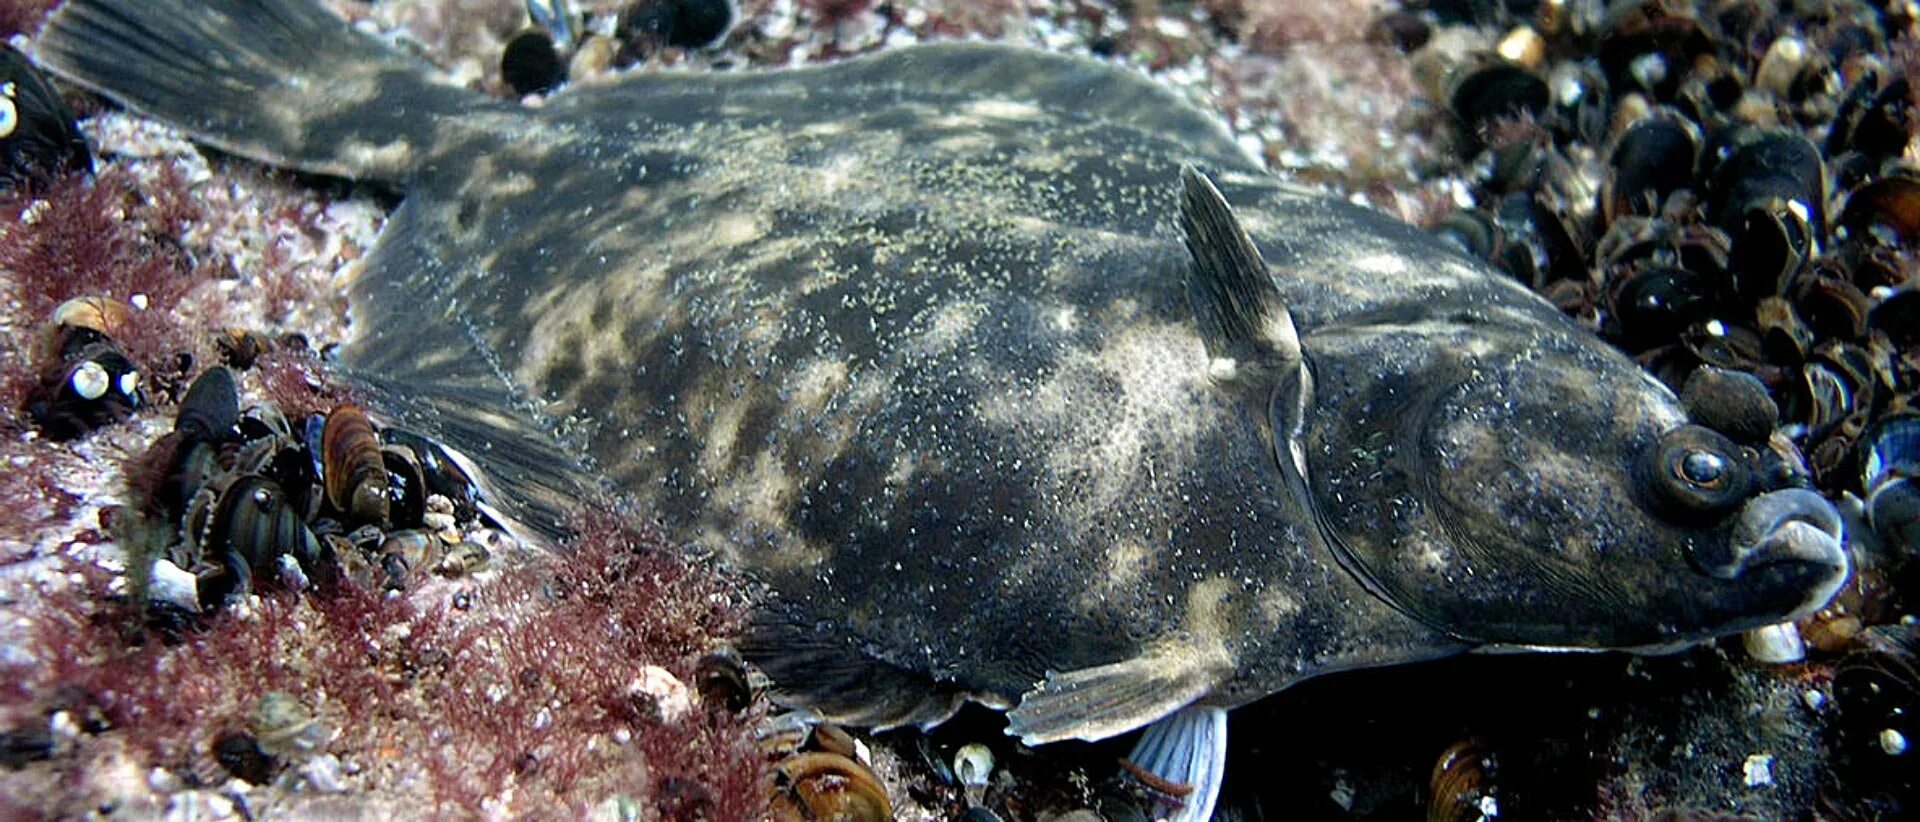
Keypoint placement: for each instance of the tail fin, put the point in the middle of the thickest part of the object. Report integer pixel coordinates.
(281, 81)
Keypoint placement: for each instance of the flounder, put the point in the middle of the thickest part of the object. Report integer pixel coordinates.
(1007, 374)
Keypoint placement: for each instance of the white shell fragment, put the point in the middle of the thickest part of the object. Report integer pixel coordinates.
(1758, 770)
(173, 585)
(671, 695)
(973, 765)
(91, 381)
(1776, 644)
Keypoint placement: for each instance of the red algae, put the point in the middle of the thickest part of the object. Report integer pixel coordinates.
(23, 16)
(511, 694)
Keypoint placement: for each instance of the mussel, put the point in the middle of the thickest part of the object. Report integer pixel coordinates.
(1650, 160)
(240, 526)
(821, 785)
(352, 466)
(91, 384)
(1890, 476)
(38, 138)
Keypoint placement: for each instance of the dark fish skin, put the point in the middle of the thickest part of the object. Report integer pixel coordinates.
(912, 340)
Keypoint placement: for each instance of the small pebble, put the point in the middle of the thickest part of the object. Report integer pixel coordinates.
(323, 774)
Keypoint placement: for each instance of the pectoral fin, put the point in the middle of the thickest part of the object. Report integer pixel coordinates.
(1108, 700)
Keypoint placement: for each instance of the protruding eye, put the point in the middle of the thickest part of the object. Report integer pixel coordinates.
(1704, 468)
(1696, 470)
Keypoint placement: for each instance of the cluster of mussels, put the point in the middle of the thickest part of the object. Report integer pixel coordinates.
(258, 499)
(1718, 184)
(1728, 191)
(564, 43)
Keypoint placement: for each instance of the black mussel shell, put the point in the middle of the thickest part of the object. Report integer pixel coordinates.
(210, 412)
(1885, 211)
(239, 347)
(1735, 403)
(1783, 337)
(250, 529)
(1581, 100)
(1760, 169)
(241, 755)
(1772, 243)
(1649, 45)
(1830, 304)
(1541, 247)
(265, 422)
(1651, 159)
(1819, 397)
(1727, 346)
(1768, 195)
(407, 486)
(94, 384)
(1890, 450)
(1496, 91)
(1897, 314)
(1652, 305)
(442, 473)
(531, 65)
(38, 138)
(1404, 30)
(721, 680)
(1874, 120)
(686, 24)
(1709, 89)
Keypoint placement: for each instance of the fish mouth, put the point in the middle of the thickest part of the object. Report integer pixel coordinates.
(1791, 537)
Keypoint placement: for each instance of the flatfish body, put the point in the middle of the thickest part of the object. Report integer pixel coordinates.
(1006, 374)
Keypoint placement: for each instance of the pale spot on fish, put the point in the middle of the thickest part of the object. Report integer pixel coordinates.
(728, 230)
(1277, 606)
(1127, 561)
(815, 383)
(949, 326)
(1017, 110)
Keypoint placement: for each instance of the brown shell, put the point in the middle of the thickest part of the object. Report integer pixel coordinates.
(356, 475)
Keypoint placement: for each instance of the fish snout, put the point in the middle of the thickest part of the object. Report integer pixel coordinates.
(1796, 537)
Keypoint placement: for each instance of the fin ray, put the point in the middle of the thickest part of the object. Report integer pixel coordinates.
(1108, 700)
(1240, 310)
(282, 81)
(1186, 748)
(438, 379)
(829, 675)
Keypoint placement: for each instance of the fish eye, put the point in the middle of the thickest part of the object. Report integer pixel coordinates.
(1697, 471)
(9, 117)
(1703, 468)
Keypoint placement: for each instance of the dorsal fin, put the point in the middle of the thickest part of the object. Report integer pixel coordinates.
(1241, 315)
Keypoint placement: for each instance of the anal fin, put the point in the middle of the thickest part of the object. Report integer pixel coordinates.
(1182, 758)
(829, 675)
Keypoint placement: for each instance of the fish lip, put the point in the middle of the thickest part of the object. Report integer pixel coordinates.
(1789, 527)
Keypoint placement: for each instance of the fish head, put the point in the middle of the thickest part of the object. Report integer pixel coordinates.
(1519, 488)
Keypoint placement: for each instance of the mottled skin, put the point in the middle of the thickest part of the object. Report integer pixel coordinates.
(909, 339)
